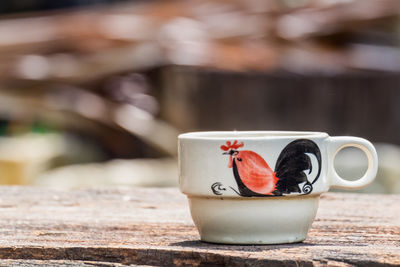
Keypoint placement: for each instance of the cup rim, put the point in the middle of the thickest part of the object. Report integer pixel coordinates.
(250, 135)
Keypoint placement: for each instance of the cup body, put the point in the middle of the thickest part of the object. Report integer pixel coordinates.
(259, 187)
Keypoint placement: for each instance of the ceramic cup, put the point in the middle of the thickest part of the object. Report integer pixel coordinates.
(262, 187)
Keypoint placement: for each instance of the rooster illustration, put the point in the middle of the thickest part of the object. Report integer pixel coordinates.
(255, 178)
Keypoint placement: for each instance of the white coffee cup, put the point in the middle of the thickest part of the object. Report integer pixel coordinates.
(262, 187)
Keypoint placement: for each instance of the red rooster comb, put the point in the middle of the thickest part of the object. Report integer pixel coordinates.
(229, 145)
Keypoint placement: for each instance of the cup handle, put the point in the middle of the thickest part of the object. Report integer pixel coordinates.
(336, 144)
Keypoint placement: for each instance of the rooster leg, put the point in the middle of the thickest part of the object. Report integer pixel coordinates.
(235, 191)
(277, 193)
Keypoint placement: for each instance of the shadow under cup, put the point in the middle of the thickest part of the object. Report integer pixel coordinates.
(261, 187)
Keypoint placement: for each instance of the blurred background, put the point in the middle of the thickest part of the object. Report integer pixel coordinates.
(95, 92)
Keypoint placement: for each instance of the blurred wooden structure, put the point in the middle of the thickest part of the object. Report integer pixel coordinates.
(360, 104)
(211, 64)
(152, 227)
(77, 46)
(310, 57)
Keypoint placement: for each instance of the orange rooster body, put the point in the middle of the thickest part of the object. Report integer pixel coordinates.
(254, 172)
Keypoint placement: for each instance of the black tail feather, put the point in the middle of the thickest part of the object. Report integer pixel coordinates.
(292, 163)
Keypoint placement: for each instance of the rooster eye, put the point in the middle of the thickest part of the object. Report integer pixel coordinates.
(239, 159)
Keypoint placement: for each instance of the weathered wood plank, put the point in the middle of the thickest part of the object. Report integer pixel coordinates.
(153, 227)
(60, 263)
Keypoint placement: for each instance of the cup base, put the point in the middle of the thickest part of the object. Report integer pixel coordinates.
(270, 220)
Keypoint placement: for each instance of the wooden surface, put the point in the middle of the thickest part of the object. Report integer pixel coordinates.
(117, 227)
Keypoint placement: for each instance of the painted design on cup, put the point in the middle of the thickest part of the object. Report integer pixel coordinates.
(255, 178)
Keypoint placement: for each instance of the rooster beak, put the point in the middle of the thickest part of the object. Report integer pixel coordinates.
(225, 153)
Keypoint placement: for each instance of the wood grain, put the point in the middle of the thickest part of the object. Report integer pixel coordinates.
(114, 227)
